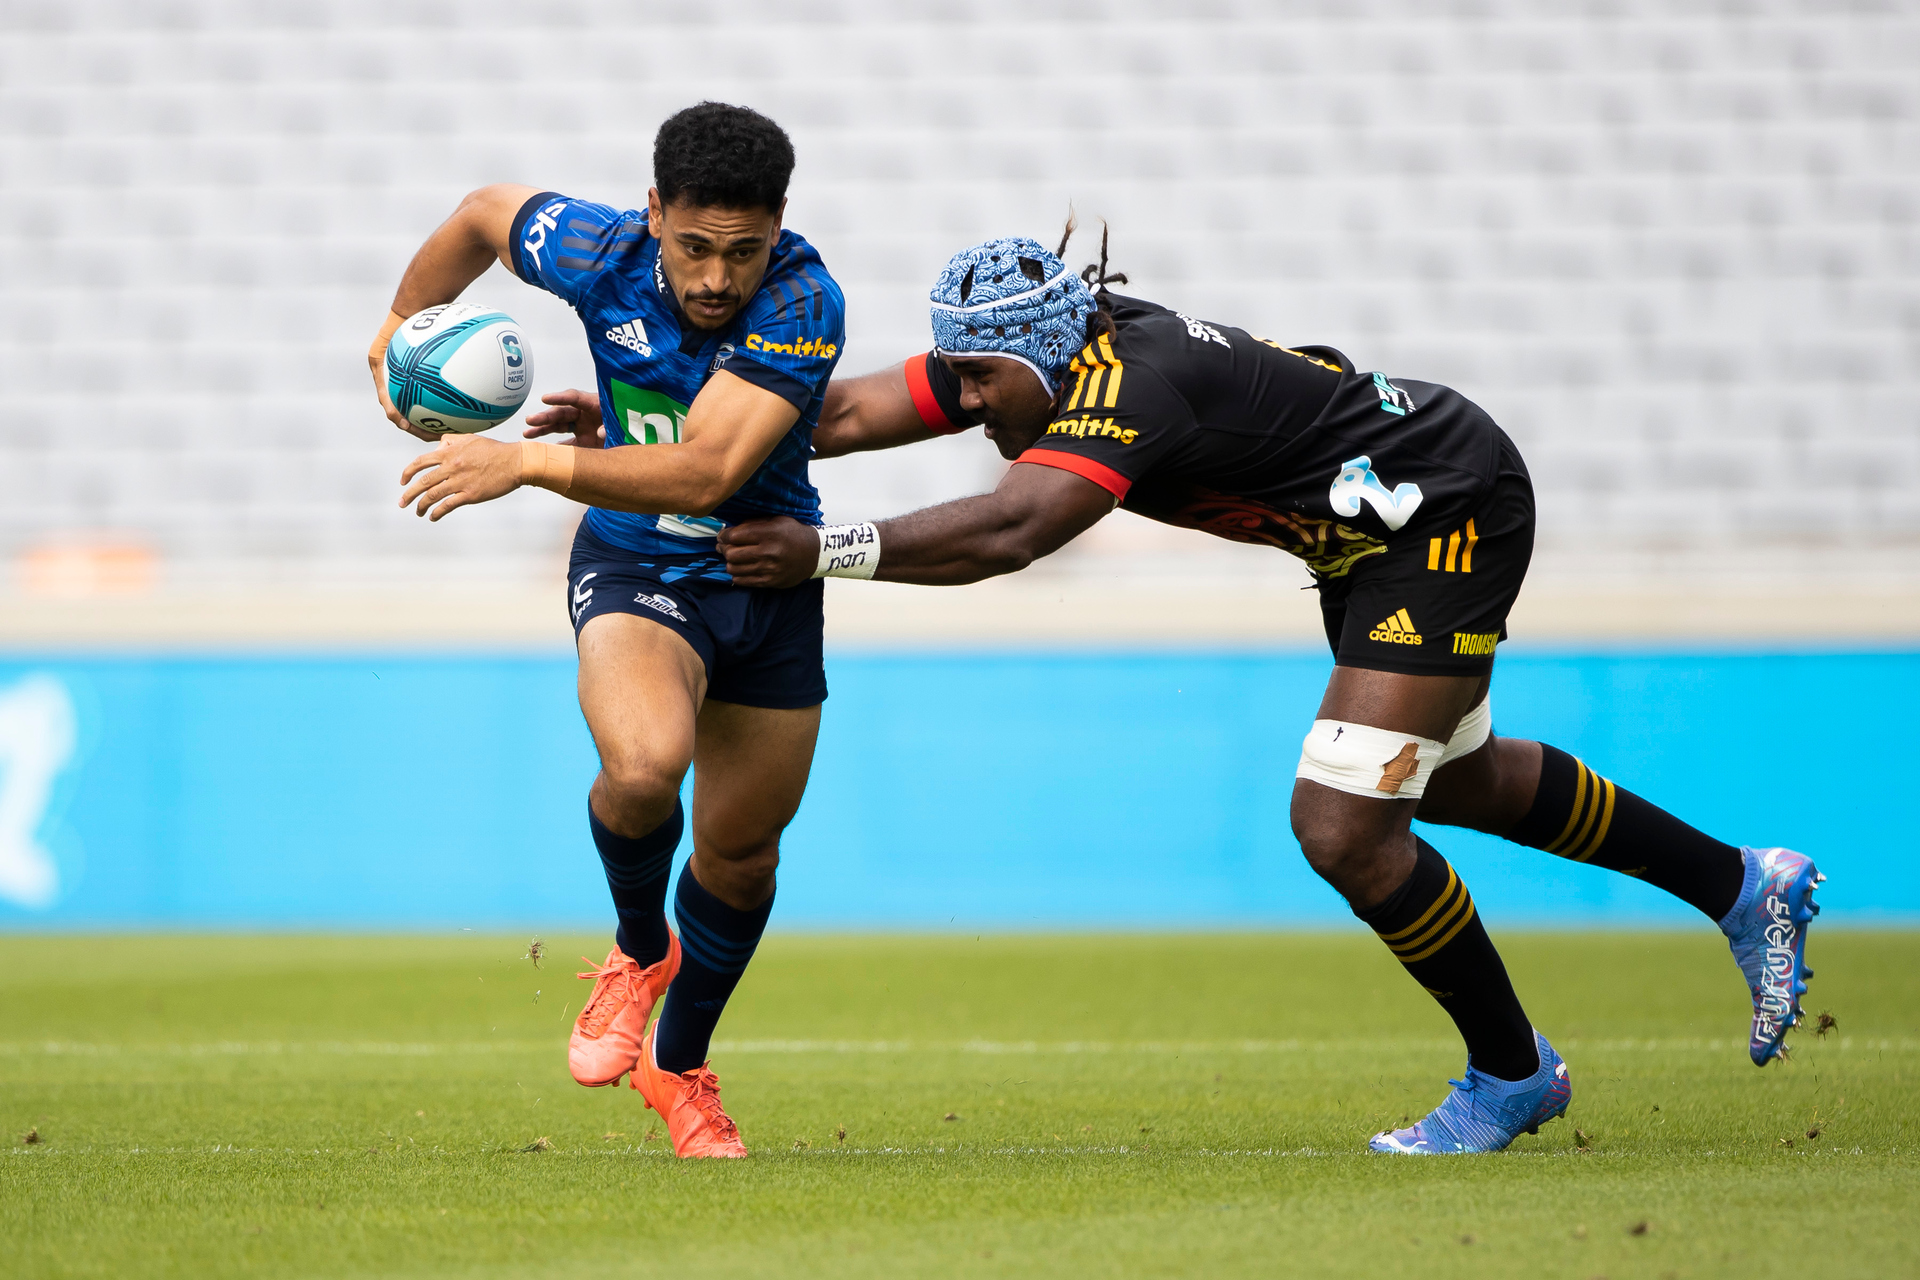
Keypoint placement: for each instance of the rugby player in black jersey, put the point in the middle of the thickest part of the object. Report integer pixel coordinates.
(1413, 512)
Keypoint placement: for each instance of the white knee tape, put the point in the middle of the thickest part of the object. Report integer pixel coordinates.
(1364, 761)
(1471, 734)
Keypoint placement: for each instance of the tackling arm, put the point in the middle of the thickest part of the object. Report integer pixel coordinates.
(873, 411)
(1034, 512)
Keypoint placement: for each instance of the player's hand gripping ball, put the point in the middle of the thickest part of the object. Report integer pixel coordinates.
(458, 367)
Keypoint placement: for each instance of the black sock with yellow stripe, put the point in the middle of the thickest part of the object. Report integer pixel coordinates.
(1430, 925)
(1580, 815)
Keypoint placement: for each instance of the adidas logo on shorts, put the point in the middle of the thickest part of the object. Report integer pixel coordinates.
(632, 335)
(1398, 629)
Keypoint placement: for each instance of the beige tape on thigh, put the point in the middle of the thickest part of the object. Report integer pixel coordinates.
(1364, 761)
(550, 466)
(1470, 734)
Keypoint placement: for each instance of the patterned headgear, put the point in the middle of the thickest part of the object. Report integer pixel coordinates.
(984, 304)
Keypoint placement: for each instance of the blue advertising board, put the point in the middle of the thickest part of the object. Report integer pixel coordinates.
(1019, 791)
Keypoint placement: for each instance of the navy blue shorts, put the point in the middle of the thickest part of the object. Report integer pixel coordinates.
(761, 647)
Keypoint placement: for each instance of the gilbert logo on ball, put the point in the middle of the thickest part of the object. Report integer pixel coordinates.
(458, 367)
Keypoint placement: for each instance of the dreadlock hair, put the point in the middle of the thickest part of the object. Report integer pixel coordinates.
(1096, 276)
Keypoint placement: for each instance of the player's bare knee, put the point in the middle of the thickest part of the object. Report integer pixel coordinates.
(741, 874)
(638, 794)
(747, 859)
(1335, 848)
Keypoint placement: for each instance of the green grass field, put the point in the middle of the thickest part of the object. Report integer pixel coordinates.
(1097, 1105)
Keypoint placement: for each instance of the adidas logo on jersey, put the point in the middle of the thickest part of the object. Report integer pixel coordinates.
(1398, 629)
(632, 335)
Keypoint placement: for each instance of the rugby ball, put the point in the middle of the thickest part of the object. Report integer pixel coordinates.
(458, 367)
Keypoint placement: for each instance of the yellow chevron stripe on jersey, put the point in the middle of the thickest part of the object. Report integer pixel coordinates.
(1083, 364)
(1113, 378)
(1303, 355)
(1466, 561)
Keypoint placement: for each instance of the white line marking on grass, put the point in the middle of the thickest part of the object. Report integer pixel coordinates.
(276, 1048)
(1037, 1048)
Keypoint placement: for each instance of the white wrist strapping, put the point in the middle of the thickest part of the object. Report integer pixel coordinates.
(848, 551)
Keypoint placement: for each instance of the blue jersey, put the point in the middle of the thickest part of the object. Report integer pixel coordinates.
(650, 362)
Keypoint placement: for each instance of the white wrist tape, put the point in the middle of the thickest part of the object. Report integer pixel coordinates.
(848, 551)
(1470, 734)
(1364, 761)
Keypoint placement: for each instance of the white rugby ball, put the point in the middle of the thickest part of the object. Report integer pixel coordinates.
(458, 367)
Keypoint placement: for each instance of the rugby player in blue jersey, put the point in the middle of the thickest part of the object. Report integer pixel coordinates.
(713, 332)
(1415, 515)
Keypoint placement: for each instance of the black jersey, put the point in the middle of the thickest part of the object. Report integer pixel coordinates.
(1203, 425)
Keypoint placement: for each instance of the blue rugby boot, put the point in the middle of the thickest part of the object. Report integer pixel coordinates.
(1767, 930)
(1485, 1114)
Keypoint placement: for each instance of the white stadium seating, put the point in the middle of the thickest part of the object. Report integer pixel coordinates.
(1672, 245)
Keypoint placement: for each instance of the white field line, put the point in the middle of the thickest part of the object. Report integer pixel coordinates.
(661, 1152)
(1037, 1048)
(829, 1152)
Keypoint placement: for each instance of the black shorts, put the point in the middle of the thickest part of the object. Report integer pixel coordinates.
(1435, 603)
(761, 647)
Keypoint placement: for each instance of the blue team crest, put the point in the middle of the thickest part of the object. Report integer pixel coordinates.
(1356, 483)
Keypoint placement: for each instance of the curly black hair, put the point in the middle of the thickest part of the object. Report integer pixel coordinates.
(716, 154)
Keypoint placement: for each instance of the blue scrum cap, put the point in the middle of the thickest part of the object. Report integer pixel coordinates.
(986, 304)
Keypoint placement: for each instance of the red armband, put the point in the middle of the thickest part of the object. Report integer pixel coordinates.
(925, 401)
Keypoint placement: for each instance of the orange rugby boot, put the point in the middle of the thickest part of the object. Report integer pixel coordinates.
(690, 1104)
(606, 1036)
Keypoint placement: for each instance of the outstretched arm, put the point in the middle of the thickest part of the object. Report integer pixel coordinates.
(1034, 512)
(873, 411)
(454, 256)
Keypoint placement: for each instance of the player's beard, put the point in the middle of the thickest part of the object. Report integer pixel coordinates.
(700, 321)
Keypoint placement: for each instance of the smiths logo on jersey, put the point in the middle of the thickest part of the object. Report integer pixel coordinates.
(1087, 425)
(817, 348)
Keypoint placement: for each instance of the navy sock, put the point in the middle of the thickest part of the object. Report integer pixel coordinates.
(637, 871)
(716, 942)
